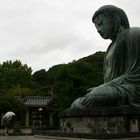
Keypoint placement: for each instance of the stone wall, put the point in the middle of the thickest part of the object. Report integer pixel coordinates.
(101, 120)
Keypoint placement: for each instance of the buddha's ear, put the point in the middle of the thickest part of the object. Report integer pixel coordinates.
(118, 19)
(118, 22)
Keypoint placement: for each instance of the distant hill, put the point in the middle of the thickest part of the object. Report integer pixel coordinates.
(69, 81)
(94, 60)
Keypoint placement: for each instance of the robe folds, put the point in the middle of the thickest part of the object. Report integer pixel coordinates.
(121, 74)
(122, 68)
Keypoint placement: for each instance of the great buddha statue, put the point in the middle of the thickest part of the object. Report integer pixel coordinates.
(121, 62)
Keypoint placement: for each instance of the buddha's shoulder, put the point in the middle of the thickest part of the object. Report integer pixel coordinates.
(133, 31)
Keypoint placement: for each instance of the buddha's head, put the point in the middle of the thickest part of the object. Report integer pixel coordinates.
(109, 21)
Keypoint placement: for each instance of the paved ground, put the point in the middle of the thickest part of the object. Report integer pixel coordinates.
(36, 138)
(48, 138)
(18, 138)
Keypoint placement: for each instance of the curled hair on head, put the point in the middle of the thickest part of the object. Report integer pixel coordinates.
(113, 12)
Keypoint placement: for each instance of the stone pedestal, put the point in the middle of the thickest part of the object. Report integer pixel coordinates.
(101, 120)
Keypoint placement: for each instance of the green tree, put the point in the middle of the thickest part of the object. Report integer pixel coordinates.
(66, 82)
(72, 80)
(40, 77)
(20, 92)
(8, 103)
(14, 74)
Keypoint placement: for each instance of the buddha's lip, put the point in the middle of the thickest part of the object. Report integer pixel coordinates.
(100, 32)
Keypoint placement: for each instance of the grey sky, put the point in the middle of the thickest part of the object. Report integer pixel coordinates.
(43, 33)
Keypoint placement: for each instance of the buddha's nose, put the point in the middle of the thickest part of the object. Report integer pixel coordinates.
(99, 30)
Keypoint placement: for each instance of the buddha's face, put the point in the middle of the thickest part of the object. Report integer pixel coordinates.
(105, 26)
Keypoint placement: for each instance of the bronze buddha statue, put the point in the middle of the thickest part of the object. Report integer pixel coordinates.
(121, 62)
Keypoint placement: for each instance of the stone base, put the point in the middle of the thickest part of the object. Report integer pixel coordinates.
(101, 120)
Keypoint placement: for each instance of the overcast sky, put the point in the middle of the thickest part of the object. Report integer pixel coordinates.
(43, 33)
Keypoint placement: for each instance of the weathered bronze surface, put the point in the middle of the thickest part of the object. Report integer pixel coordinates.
(121, 63)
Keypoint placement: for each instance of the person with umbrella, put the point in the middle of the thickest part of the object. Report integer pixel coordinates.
(8, 117)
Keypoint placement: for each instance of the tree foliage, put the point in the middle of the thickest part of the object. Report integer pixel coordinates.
(9, 103)
(14, 74)
(63, 82)
(70, 81)
(20, 92)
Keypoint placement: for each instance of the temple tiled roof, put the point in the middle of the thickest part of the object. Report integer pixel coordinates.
(36, 101)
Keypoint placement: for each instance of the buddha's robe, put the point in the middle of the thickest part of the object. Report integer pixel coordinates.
(121, 74)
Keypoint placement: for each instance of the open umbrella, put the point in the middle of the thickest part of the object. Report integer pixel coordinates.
(9, 114)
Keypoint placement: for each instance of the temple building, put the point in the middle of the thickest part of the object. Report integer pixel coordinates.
(36, 113)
